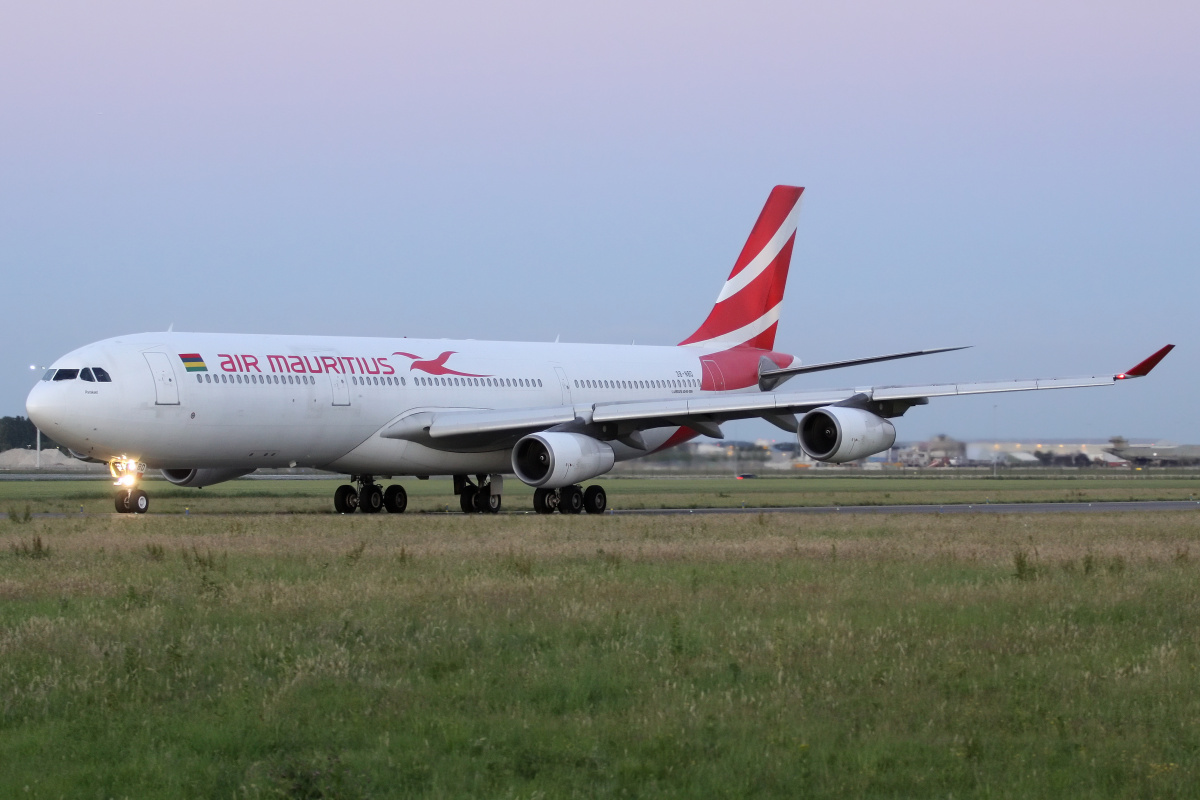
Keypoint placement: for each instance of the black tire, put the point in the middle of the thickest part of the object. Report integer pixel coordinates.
(139, 503)
(345, 500)
(466, 500)
(370, 499)
(122, 502)
(570, 500)
(395, 499)
(490, 504)
(539, 501)
(595, 500)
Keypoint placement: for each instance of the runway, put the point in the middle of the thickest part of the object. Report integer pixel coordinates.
(985, 508)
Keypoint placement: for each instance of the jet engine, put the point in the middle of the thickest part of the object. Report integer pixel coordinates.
(836, 434)
(197, 478)
(553, 460)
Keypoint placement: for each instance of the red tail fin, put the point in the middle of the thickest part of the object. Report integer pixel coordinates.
(747, 310)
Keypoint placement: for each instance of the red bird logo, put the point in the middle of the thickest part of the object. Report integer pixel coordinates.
(437, 366)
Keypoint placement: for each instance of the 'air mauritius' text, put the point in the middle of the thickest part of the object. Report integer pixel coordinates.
(342, 365)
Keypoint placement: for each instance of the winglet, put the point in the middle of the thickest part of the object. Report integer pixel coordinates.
(1143, 369)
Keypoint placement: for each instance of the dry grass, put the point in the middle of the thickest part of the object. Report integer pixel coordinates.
(685, 655)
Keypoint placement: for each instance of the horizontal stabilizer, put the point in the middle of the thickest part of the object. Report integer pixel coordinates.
(770, 376)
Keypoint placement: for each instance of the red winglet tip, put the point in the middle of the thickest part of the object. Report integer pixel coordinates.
(1143, 369)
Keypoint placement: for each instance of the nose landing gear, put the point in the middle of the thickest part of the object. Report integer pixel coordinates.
(126, 474)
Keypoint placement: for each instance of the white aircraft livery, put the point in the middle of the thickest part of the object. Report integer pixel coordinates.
(206, 407)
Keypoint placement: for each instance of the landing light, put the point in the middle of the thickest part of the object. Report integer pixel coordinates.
(127, 480)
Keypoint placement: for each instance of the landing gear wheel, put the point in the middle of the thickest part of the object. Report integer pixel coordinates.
(595, 500)
(466, 500)
(122, 503)
(540, 497)
(139, 503)
(345, 500)
(570, 500)
(485, 502)
(370, 499)
(395, 499)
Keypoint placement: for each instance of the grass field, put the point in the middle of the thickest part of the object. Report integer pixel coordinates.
(272, 655)
(316, 496)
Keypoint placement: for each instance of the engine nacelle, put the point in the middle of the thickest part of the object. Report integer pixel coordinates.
(835, 434)
(553, 460)
(196, 478)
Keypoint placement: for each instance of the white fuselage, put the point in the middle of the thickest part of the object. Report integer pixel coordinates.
(188, 400)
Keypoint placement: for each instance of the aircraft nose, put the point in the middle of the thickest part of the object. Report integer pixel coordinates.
(39, 406)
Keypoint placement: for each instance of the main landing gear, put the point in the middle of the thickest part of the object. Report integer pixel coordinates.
(570, 500)
(483, 497)
(369, 497)
(126, 474)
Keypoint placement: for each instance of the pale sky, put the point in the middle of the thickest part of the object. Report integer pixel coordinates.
(1021, 176)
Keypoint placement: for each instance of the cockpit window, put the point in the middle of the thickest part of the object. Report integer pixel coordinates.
(48, 375)
(66, 375)
(102, 375)
(85, 374)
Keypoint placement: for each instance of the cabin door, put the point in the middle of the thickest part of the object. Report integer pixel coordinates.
(565, 384)
(166, 390)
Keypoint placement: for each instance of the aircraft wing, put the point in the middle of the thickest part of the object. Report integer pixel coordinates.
(472, 429)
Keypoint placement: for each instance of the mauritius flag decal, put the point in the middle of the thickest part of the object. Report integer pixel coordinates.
(193, 362)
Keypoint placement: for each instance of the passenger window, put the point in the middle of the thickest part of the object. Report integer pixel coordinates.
(207, 378)
(402, 381)
(199, 378)
(66, 375)
(86, 375)
(539, 383)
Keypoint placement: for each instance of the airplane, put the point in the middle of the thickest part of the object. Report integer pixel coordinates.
(209, 407)
(1160, 453)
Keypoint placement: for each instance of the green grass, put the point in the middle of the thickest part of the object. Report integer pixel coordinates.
(521, 656)
(432, 496)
